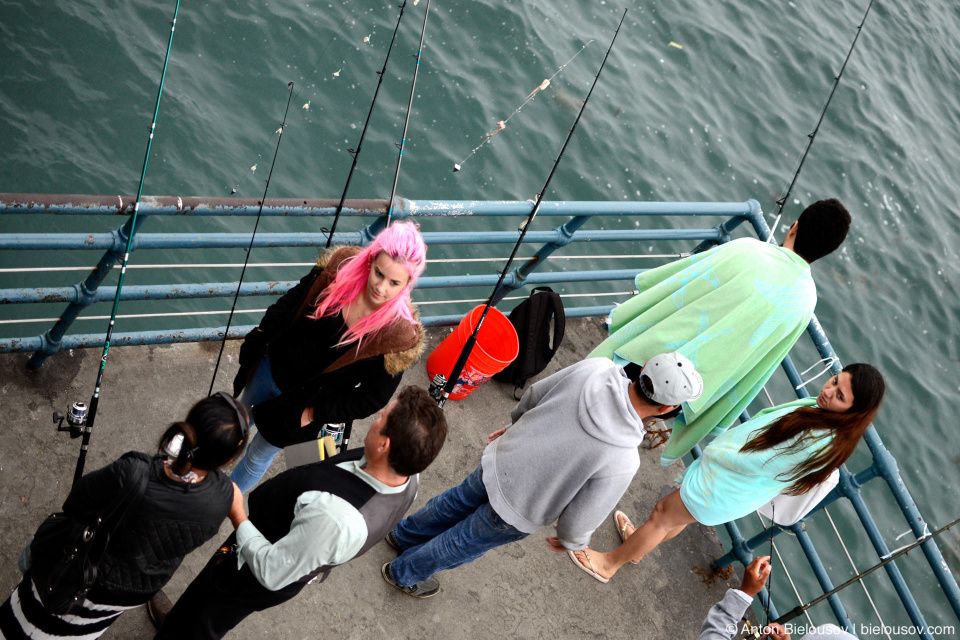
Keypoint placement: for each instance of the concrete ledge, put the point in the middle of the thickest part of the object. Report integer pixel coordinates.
(518, 591)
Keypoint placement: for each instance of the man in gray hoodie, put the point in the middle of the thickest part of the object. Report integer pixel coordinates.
(568, 457)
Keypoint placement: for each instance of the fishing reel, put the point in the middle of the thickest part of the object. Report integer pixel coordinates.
(76, 420)
(436, 386)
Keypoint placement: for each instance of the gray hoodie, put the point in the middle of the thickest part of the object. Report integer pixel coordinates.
(569, 455)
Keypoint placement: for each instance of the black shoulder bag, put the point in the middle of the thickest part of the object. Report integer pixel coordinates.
(66, 550)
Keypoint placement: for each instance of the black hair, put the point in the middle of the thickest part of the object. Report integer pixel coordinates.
(644, 388)
(821, 229)
(417, 429)
(212, 436)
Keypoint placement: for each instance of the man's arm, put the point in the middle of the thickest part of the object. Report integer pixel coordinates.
(589, 508)
(723, 619)
(325, 531)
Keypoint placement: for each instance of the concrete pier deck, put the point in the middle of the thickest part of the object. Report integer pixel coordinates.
(518, 591)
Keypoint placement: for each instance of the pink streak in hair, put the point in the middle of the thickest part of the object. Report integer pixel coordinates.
(404, 244)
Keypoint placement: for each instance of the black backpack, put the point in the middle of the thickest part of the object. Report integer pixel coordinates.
(532, 319)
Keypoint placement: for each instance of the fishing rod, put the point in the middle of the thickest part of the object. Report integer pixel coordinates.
(356, 152)
(793, 613)
(441, 388)
(823, 112)
(79, 419)
(769, 585)
(263, 200)
(406, 121)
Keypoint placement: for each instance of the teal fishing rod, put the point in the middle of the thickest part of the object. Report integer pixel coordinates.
(246, 261)
(87, 419)
(441, 387)
(823, 112)
(356, 152)
(406, 121)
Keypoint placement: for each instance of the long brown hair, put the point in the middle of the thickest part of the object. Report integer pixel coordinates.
(813, 424)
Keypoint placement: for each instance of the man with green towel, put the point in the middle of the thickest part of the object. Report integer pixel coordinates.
(735, 311)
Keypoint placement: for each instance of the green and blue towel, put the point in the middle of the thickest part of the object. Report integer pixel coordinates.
(735, 311)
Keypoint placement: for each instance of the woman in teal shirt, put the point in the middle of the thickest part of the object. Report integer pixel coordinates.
(793, 448)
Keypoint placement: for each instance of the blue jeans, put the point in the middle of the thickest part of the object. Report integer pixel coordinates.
(260, 453)
(454, 528)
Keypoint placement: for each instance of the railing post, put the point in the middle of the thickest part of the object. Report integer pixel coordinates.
(86, 293)
(821, 574)
(565, 235)
(755, 216)
(886, 466)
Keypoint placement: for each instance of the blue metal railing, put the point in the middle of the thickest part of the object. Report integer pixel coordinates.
(81, 295)
(85, 293)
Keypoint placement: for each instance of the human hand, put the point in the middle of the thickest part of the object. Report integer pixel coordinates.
(237, 513)
(496, 434)
(777, 632)
(755, 576)
(306, 417)
(556, 545)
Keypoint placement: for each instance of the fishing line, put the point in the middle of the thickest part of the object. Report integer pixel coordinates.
(356, 152)
(502, 124)
(406, 121)
(442, 388)
(823, 112)
(263, 199)
(95, 400)
(766, 609)
(339, 32)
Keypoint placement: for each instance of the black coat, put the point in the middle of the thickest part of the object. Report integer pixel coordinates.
(168, 522)
(356, 386)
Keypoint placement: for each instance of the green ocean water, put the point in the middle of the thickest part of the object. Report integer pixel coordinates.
(701, 100)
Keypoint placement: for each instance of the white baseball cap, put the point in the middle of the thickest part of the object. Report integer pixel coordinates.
(674, 379)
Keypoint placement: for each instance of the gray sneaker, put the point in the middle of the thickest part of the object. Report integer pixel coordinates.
(424, 589)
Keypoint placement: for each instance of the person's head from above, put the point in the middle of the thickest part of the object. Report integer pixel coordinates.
(380, 278)
(819, 231)
(410, 431)
(666, 381)
(211, 435)
(845, 408)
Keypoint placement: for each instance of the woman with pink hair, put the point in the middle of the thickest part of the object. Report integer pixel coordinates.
(333, 349)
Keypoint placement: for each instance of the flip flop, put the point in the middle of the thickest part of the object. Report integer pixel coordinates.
(590, 570)
(622, 529)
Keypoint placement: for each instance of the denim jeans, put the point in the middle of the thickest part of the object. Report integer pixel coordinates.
(453, 528)
(260, 453)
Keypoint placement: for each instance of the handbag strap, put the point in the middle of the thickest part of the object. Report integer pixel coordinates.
(130, 497)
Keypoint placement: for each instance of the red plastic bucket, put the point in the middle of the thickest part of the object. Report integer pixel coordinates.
(497, 346)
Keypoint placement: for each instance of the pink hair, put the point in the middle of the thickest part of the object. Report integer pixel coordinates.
(403, 243)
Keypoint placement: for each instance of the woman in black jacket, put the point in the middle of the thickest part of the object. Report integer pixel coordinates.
(334, 348)
(184, 500)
